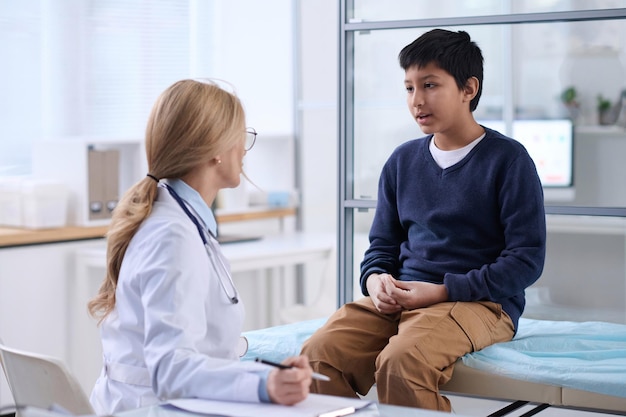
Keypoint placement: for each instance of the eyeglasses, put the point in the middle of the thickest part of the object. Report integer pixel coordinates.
(250, 138)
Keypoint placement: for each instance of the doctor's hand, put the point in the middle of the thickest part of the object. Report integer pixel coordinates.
(377, 287)
(290, 386)
(414, 294)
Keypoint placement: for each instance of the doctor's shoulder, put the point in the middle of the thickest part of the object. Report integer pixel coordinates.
(166, 223)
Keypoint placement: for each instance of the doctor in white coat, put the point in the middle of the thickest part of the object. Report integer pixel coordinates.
(170, 315)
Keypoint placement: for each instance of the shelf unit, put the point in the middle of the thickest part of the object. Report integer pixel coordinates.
(573, 286)
(50, 160)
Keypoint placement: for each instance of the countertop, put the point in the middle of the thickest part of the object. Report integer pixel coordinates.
(14, 236)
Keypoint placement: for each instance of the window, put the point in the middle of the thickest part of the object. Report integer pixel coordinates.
(20, 83)
(93, 68)
(87, 68)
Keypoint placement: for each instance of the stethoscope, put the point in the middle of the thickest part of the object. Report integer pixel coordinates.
(234, 299)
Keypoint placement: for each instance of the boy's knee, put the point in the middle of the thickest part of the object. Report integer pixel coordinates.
(404, 359)
(394, 358)
(315, 347)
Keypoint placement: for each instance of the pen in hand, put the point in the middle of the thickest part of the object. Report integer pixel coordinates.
(314, 375)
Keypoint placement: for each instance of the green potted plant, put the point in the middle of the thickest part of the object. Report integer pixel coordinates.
(605, 113)
(569, 98)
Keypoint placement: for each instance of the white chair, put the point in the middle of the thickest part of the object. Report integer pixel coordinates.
(42, 381)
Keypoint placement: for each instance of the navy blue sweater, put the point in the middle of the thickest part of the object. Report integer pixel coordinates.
(478, 226)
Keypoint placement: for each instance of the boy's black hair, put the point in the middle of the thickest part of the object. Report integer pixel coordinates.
(453, 52)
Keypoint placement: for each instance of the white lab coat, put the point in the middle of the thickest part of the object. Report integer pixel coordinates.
(173, 332)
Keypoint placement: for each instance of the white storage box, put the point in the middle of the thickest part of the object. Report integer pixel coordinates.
(11, 203)
(44, 204)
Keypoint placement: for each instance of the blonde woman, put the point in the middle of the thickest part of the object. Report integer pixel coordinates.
(170, 315)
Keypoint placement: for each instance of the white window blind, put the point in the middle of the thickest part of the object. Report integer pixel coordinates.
(20, 83)
(85, 69)
(93, 68)
(134, 50)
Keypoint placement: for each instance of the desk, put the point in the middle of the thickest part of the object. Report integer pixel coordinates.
(268, 259)
(282, 250)
(265, 259)
(375, 410)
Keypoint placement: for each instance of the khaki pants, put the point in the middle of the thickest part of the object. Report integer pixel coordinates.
(408, 354)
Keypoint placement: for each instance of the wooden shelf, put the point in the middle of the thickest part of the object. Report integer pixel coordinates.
(13, 236)
(20, 237)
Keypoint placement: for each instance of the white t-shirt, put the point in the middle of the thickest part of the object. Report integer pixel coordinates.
(446, 159)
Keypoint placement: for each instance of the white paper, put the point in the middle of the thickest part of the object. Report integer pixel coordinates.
(313, 405)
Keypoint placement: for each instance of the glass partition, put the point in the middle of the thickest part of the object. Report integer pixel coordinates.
(545, 72)
(381, 118)
(375, 10)
(540, 72)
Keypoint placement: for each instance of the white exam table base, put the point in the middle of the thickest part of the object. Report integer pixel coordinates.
(476, 383)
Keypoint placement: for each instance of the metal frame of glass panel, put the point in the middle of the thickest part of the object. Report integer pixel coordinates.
(347, 202)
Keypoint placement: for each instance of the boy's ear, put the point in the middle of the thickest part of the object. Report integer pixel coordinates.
(471, 88)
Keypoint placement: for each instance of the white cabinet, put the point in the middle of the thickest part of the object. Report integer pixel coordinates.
(35, 286)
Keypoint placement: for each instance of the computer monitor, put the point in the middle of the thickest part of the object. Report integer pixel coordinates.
(550, 143)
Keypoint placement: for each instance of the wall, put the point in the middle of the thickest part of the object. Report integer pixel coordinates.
(254, 53)
(317, 127)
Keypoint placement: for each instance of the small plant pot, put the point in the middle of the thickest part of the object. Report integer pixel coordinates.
(573, 111)
(606, 117)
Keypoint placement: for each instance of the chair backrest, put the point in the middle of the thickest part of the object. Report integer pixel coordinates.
(42, 381)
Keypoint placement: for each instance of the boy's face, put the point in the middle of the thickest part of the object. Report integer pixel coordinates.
(434, 99)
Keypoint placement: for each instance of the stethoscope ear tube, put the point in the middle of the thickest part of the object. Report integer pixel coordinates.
(211, 252)
(183, 206)
(234, 299)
